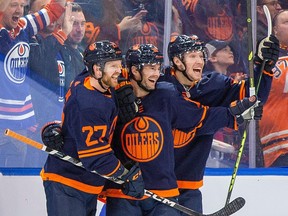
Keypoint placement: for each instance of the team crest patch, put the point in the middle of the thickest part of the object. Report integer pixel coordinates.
(142, 139)
(15, 63)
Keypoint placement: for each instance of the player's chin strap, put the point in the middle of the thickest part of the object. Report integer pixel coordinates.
(139, 82)
(184, 71)
(101, 84)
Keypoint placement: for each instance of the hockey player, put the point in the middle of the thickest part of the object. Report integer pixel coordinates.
(148, 140)
(89, 118)
(188, 56)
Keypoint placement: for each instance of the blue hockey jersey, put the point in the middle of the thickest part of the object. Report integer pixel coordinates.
(214, 89)
(148, 138)
(16, 109)
(89, 119)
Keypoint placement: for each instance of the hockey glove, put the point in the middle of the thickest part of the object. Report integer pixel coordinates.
(258, 111)
(51, 135)
(243, 109)
(133, 182)
(267, 50)
(126, 100)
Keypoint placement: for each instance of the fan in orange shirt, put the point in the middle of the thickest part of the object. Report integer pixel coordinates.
(273, 126)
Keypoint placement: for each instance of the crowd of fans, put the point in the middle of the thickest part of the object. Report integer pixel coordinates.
(55, 51)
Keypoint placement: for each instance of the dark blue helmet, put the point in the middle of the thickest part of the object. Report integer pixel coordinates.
(140, 54)
(183, 43)
(100, 52)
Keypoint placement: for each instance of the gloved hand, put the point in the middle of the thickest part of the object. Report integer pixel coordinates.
(133, 182)
(51, 135)
(267, 50)
(126, 100)
(243, 109)
(258, 111)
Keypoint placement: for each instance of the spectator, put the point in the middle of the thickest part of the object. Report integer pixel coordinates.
(125, 22)
(214, 20)
(17, 110)
(90, 114)
(274, 7)
(148, 139)
(71, 52)
(220, 56)
(187, 56)
(273, 126)
(44, 48)
(63, 58)
(262, 29)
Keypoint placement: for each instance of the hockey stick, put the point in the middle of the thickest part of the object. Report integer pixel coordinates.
(231, 208)
(251, 89)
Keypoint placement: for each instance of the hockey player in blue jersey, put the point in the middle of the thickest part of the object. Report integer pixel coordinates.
(148, 139)
(89, 118)
(187, 55)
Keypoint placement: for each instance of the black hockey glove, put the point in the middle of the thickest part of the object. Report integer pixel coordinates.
(267, 50)
(133, 182)
(258, 111)
(243, 109)
(51, 135)
(126, 100)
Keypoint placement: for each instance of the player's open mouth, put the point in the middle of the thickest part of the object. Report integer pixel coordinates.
(197, 70)
(152, 80)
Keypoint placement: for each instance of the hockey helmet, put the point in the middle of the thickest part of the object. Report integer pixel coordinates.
(140, 54)
(101, 52)
(183, 43)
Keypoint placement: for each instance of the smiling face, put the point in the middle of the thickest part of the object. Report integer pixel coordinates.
(193, 62)
(111, 72)
(150, 75)
(12, 14)
(145, 79)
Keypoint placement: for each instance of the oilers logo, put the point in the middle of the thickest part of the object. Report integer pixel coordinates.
(142, 139)
(15, 63)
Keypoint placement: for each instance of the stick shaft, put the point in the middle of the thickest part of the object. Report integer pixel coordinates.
(236, 166)
(23, 139)
(251, 92)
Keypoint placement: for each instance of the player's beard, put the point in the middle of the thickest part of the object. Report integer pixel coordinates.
(109, 81)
